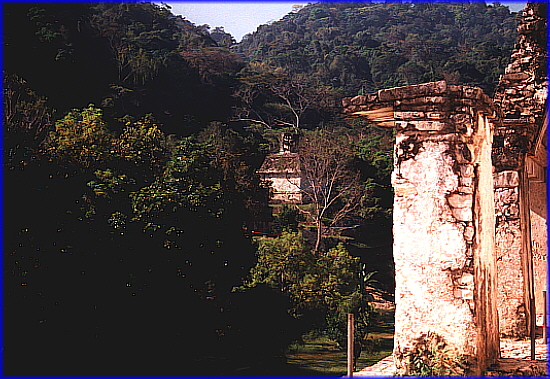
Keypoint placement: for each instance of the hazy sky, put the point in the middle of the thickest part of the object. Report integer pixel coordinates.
(237, 18)
(240, 18)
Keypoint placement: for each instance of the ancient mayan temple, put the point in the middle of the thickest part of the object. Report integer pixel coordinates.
(282, 171)
(470, 205)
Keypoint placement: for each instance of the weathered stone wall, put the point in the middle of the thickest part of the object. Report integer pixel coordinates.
(285, 187)
(536, 173)
(539, 245)
(521, 101)
(511, 277)
(465, 210)
(282, 171)
(283, 174)
(443, 217)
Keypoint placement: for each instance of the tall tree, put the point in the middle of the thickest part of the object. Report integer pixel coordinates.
(333, 185)
(26, 119)
(269, 96)
(322, 286)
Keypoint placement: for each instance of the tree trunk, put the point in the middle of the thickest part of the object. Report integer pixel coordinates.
(319, 234)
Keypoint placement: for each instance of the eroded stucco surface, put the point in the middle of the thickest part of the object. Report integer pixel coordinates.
(443, 218)
(519, 158)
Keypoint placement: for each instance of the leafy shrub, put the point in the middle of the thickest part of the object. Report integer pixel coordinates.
(432, 357)
(322, 286)
(287, 220)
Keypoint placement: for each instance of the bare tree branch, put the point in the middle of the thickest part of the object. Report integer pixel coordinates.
(331, 184)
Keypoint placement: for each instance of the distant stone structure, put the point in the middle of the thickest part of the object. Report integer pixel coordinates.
(470, 205)
(282, 171)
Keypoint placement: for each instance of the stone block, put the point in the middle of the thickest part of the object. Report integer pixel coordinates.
(467, 294)
(462, 214)
(508, 240)
(421, 125)
(372, 97)
(414, 91)
(429, 125)
(511, 211)
(351, 109)
(505, 196)
(404, 188)
(461, 118)
(386, 95)
(403, 125)
(466, 101)
(346, 101)
(457, 200)
(469, 233)
(358, 100)
(506, 179)
(467, 280)
(514, 77)
(467, 171)
(424, 100)
(465, 189)
(408, 115)
(454, 89)
(436, 115)
(472, 92)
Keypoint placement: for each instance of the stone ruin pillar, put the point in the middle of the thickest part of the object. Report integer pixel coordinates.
(519, 158)
(443, 221)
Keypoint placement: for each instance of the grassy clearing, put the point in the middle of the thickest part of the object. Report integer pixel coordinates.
(320, 356)
(317, 356)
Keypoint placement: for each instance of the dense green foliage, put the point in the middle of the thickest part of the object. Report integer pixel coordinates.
(131, 143)
(131, 59)
(323, 286)
(301, 66)
(287, 220)
(114, 243)
(361, 47)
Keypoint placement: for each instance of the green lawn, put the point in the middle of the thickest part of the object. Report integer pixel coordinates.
(317, 356)
(320, 356)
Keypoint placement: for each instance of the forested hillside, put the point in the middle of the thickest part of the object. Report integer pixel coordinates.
(131, 143)
(361, 47)
(128, 59)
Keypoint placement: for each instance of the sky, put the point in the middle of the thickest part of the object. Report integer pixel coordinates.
(237, 18)
(240, 18)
